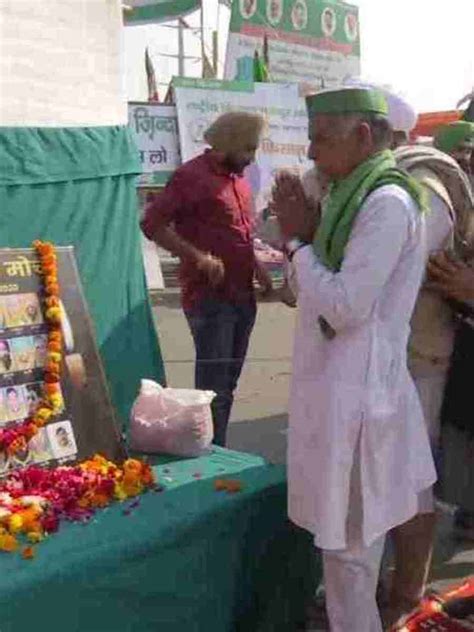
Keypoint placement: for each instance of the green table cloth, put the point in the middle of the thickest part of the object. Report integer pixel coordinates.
(186, 559)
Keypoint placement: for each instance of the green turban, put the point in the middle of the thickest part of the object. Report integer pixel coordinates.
(347, 101)
(455, 135)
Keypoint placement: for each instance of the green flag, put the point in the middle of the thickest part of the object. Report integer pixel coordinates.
(260, 72)
(149, 11)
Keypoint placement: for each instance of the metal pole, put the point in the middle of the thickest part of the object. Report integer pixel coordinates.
(203, 51)
(215, 52)
(180, 48)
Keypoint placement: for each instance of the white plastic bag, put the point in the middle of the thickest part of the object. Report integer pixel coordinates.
(171, 420)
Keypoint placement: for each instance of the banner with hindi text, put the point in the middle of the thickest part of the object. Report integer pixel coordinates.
(155, 130)
(285, 139)
(315, 42)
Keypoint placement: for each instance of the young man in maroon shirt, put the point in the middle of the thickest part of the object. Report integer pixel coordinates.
(204, 217)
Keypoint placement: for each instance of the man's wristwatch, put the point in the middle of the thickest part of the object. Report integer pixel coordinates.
(293, 245)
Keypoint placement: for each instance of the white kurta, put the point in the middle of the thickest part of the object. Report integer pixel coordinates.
(358, 382)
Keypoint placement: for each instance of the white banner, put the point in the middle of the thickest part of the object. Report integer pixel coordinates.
(155, 130)
(285, 140)
(302, 64)
(309, 41)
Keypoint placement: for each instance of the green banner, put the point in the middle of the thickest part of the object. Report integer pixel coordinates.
(213, 84)
(152, 11)
(323, 19)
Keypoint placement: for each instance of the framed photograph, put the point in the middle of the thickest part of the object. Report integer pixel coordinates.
(87, 423)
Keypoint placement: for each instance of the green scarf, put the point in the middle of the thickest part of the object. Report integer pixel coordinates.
(345, 200)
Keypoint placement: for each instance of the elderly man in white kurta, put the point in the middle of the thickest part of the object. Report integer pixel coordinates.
(358, 454)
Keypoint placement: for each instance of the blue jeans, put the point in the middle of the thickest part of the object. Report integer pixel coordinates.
(221, 333)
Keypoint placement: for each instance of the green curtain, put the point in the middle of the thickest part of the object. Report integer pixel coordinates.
(76, 186)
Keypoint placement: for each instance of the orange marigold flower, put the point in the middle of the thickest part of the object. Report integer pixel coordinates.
(52, 289)
(220, 485)
(52, 301)
(100, 500)
(52, 367)
(54, 346)
(28, 553)
(51, 377)
(132, 465)
(48, 258)
(31, 430)
(17, 445)
(234, 486)
(48, 268)
(148, 476)
(8, 542)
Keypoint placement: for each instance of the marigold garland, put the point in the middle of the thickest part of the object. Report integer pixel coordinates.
(13, 439)
(34, 500)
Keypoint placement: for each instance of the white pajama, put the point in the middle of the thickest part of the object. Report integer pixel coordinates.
(351, 574)
(351, 578)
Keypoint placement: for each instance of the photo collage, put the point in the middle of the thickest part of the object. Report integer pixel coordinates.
(23, 350)
(54, 442)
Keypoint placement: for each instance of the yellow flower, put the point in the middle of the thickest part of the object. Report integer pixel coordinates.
(15, 523)
(56, 402)
(8, 542)
(43, 414)
(34, 537)
(119, 492)
(54, 314)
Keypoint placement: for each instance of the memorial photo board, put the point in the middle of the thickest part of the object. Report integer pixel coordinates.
(86, 424)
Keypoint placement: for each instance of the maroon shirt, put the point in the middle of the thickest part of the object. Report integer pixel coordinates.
(211, 209)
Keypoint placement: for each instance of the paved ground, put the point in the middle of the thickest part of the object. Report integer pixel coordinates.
(259, 416)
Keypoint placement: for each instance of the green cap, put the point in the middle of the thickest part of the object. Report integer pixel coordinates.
(457, 134)
(347, 101)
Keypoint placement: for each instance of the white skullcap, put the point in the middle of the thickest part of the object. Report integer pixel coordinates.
(401, 114)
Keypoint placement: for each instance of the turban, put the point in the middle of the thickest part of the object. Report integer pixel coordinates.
(450, 137)
(347, 100)
(234, 131)
(401, 115)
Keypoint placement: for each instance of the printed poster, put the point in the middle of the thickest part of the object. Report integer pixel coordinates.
(315, 42)
(154, 127)
(87, 424)
(284, 144)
